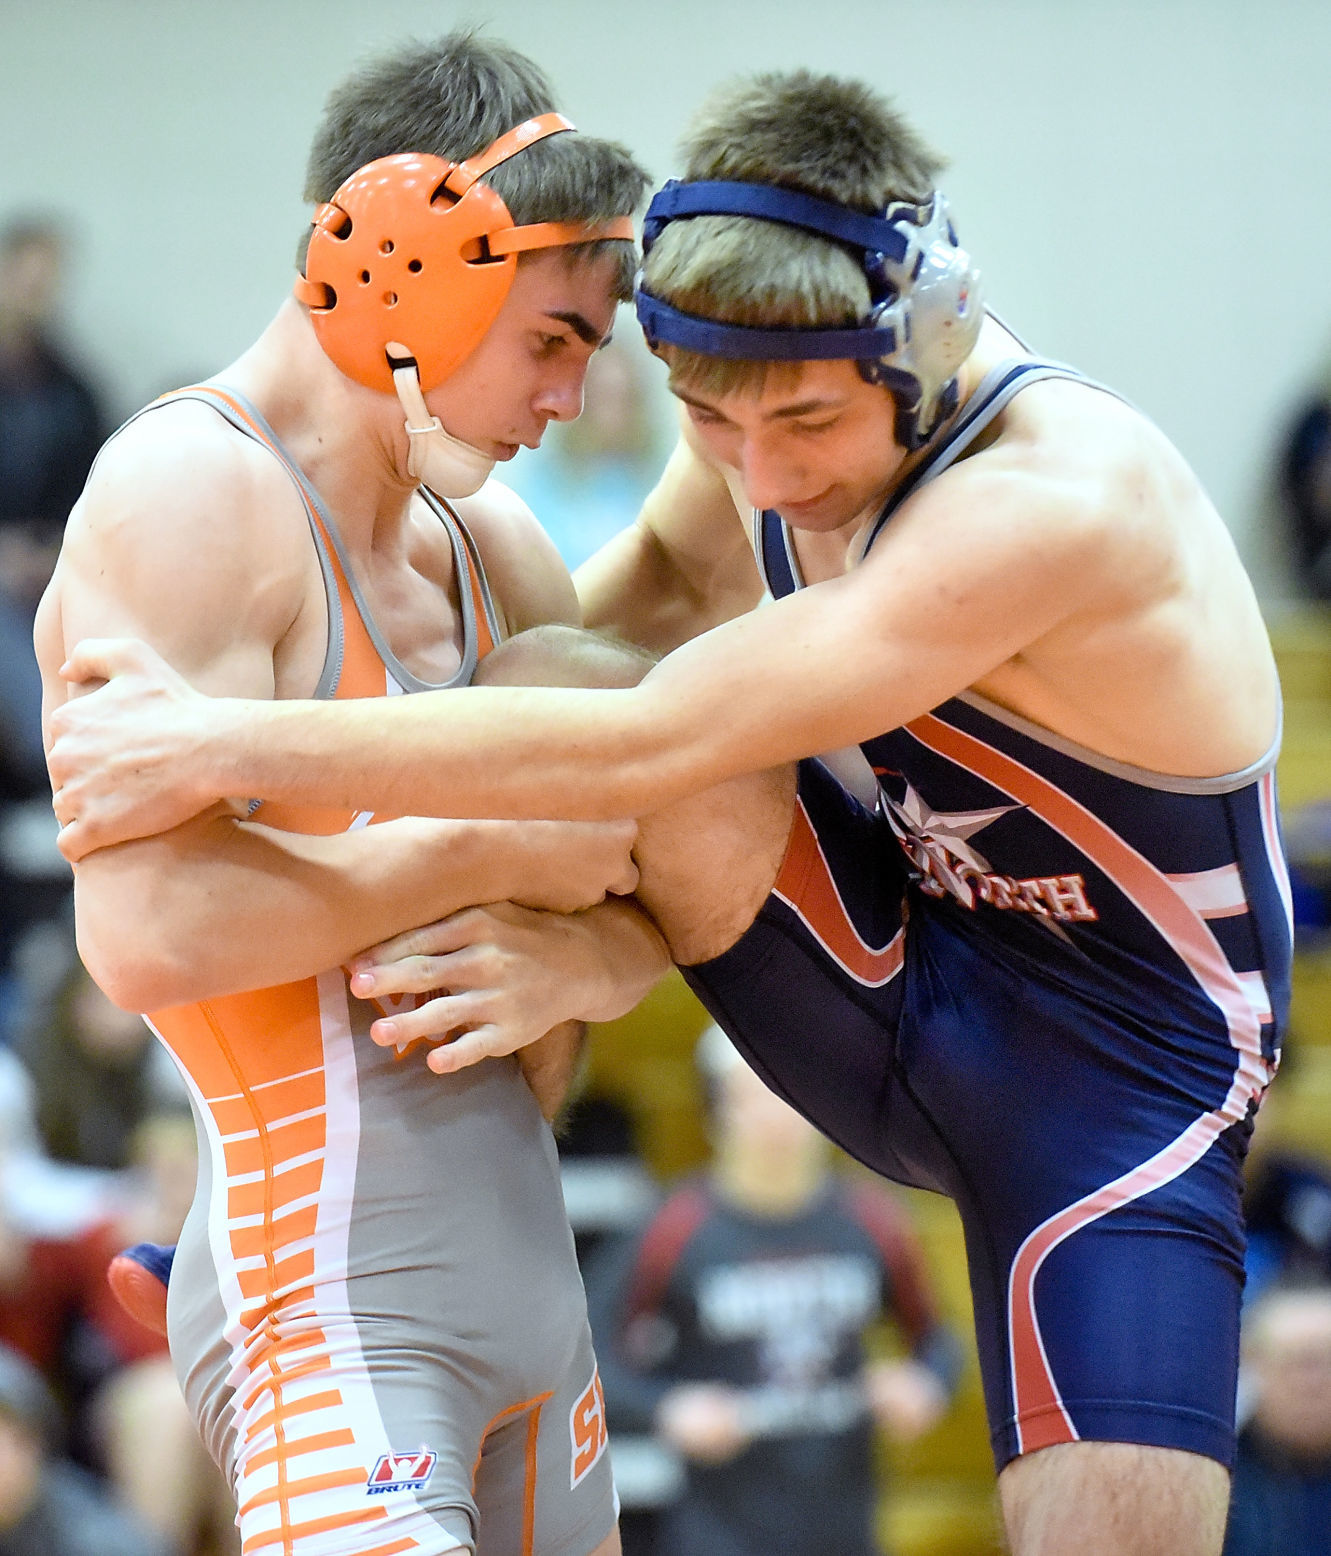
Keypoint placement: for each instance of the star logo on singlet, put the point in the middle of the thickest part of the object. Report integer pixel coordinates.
(938, 845)
(938, 841)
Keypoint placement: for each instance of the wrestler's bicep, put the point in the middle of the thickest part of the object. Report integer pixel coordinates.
(194, 568)
(682, 567)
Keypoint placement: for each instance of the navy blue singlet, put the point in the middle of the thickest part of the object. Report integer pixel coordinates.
(1051, 986)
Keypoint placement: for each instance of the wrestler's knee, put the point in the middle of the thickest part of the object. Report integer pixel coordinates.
(559, 655)
(1114, 1499)
(706, 862)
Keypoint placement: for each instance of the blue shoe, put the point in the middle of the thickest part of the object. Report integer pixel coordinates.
(138, 1277)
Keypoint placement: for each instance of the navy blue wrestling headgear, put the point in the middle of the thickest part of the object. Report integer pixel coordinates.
(924, 317)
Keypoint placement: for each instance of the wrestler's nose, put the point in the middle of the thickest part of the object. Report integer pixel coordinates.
(769, 474)
(560, 396)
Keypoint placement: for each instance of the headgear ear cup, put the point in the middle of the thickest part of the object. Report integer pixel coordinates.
(926, 304)
(388, 252)
(414, 249)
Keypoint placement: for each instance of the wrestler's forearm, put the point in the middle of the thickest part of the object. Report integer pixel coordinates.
(485, 751)
(217, 907)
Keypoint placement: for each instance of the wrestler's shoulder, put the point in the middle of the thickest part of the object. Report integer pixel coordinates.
(526, 572)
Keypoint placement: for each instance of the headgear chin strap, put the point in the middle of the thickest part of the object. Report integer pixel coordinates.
(435, 458)
(416, 251)
(925, 313)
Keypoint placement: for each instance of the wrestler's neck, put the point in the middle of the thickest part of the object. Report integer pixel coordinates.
(345, 438)
(838, 550)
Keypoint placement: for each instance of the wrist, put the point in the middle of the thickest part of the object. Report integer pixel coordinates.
(220, 759)
(627, 958)
(504, 857)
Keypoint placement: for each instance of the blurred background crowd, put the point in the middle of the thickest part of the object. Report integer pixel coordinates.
(785, 1344)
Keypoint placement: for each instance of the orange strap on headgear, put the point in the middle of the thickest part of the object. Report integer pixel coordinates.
(414, 249)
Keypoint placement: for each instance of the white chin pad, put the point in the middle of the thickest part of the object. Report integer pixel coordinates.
(435, 457)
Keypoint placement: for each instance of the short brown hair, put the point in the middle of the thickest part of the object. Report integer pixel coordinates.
(452, 98)
(826, 136)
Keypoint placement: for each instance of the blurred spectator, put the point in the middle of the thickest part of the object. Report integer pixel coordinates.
(140, 1434)
(97, 1072)
(55, 1305)
(607, 1188)
(1287, 1198)
(51, 426)
(123, 1415)
(48, 1505)
(1305, 492)
(1281, 1500)
(736, 1323)
(51, 420)
(589, 477)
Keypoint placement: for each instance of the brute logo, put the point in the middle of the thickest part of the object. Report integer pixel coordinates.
(401, 1472)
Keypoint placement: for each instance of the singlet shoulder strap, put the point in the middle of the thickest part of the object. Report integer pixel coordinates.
(476, 599)
(775, 553)
(480, 631)
(349, 585)
(772, 544)
(992, 395)
(339, 588)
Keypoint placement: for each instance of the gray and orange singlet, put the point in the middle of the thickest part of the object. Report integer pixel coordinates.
(375, 1310)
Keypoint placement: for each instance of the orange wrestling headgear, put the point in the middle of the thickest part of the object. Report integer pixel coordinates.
(408, 266)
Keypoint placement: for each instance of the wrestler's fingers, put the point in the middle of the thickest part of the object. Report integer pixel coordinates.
(470, 1048)
(74, 841)
(99, 659)
(469, 967)
(409, 975)
(437, 939)
(436, 1018)
(82, 835)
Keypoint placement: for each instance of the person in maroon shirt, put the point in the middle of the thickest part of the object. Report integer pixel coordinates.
(734, 1325)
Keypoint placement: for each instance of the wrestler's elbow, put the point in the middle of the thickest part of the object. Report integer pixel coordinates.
(129, 978)
(136, 946)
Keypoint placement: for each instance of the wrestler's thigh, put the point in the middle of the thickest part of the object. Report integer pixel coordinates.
(811, 992)
(706, 862)
(1114, 1499)
(1105, 1324)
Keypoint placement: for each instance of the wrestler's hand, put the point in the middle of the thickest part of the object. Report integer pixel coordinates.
(123, 757)
(564, 866)
(504, 976)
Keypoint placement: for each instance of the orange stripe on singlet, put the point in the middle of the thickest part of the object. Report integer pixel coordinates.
(479, 597)
(310, 1486)
(291, 1409)
(269, 1111)
(288, 1532)
(806, 884)
(532, 1407)
(344, 1437)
